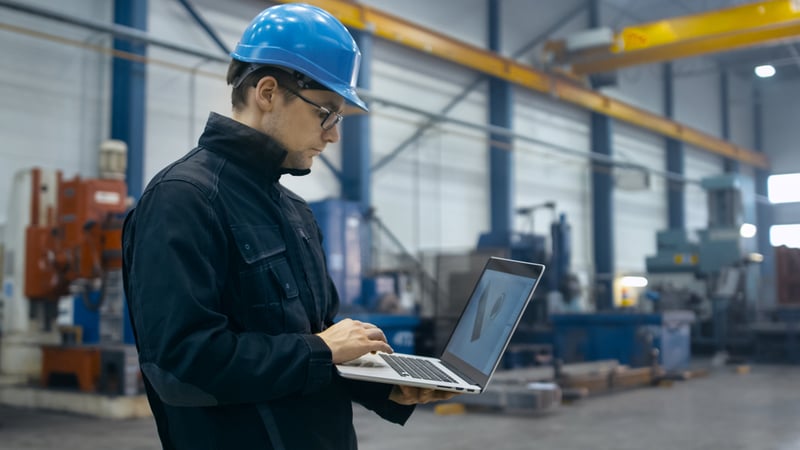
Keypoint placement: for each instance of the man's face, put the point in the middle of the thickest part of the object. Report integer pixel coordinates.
(297, 125)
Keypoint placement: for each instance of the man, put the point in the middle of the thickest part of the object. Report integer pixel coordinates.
(225, 275)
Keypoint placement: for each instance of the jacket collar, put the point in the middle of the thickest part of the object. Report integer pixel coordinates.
(246, 146)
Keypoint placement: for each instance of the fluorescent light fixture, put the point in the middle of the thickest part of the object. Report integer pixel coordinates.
(747, 230)
(765, 71)
(784, 188)
(633, 281)
(788, 235)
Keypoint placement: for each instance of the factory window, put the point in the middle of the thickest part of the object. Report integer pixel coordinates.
(788, 235)
(784, 188)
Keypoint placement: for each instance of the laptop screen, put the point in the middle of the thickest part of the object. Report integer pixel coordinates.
(491, 315)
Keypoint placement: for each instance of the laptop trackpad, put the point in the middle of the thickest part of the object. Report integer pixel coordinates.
(368, 360)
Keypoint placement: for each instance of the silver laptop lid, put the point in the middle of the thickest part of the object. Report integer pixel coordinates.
(490, 317)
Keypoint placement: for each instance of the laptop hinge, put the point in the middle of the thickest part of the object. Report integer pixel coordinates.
(458, 372)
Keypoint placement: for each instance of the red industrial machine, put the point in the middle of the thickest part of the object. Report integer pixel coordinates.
(77, 243)
(71, 251)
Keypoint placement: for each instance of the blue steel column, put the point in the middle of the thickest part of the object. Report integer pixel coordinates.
(602, 197)
(501, 174)
(731, 165)
(355, 175)
(764, 209)
(128, 92)
(356, 136)
(603, 211)
(675, 160)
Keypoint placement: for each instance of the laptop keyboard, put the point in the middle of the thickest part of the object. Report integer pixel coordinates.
(416, 368)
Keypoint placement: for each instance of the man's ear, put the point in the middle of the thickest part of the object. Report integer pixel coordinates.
(265, 93)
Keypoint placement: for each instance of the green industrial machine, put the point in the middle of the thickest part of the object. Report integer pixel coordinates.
(714, 275)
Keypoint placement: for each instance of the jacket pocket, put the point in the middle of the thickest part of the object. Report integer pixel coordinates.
(269, 291)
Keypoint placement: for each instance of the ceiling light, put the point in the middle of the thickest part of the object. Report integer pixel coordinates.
(765, 71)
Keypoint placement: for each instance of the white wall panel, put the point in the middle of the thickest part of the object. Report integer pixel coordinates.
(741, 107)
(465, 20)
(638, 214)
(543, 173)
(697, 95)
(641, 86)
(523, 24)
(180, 96)
(53, 96)
(782, 136)
(781, 131)
(434, 194)
(698, 165)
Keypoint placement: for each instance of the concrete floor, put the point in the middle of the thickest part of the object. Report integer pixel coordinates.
(758, 411)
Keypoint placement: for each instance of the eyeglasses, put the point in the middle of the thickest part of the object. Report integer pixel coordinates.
(329, 118)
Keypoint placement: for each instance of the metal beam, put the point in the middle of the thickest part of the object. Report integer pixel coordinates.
(693, 35)
(602, 198)
(501, 161)
(731, 166)
(676, 198)
(420, 131)
(603, 212)
(397, 30)
(765, 211)
(204, 25)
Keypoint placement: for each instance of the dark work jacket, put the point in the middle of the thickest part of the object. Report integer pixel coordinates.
(226, 283)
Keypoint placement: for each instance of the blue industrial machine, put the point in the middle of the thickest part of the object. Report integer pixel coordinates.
(361, 291)
(629, 338)
(527, 246)
(100, 319)
(713, 276)
(559, 290)
(343, 230)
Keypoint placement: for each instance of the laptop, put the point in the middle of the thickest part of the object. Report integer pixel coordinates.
(477, 342)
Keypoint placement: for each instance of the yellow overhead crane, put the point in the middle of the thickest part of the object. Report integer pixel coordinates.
(693, 35)
(395, 29)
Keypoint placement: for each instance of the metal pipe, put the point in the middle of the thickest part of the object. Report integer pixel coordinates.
(117, 31)
(491, 129)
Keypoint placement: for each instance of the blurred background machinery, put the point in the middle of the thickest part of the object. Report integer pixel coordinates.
(64, 314)
(375, 292)
(716, 277)
(385, 284)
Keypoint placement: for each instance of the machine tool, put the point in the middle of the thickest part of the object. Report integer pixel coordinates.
(67, 322)
(715, 276)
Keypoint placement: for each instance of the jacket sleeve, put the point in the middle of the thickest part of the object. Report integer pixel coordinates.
(375, 397)
(176, 257)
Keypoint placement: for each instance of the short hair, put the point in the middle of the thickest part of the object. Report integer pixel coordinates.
(243, 76)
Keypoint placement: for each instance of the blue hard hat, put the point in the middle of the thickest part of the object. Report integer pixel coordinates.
(306, 39)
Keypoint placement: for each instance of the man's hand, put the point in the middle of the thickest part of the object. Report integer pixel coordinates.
(348, 339)
(410, 395)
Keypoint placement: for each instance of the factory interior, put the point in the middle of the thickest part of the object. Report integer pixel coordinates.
(646, 152)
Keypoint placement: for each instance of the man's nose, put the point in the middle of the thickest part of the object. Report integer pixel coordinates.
(331, 135)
